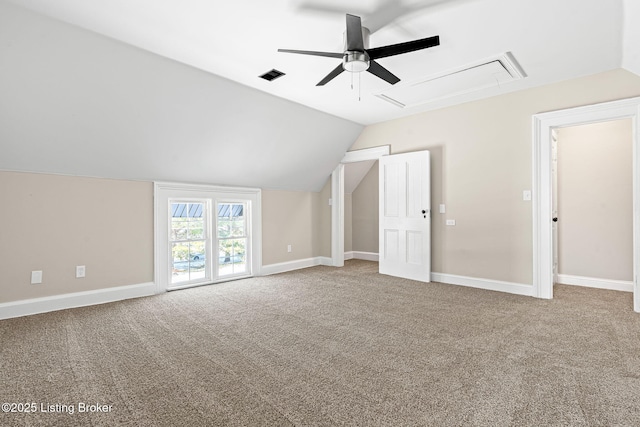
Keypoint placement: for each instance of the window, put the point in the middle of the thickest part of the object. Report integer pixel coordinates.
(232, 239)
(205, 234)
(188, 238)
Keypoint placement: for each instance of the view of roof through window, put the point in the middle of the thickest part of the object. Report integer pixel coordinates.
(225, 210)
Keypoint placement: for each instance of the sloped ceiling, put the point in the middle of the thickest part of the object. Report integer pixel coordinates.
(552, 40)
(75, 102)
(169, 90)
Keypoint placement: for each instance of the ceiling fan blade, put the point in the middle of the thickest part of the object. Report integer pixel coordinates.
(339, 69)
(379, 71)
(354, 33)
(313, 52)
(400, 48)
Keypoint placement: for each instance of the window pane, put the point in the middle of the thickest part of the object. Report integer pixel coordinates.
(179, 228)
(197, 251)
(224, 227)
(231, 221)
(195, 210)
(231, 256)
(196, 228)
(188, 242)
(180, 262)
(237, 229)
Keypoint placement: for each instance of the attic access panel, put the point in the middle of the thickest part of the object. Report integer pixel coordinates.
(486, 74)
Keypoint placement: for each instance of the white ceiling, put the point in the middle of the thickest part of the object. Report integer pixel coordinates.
(168, 90)
(552, 40)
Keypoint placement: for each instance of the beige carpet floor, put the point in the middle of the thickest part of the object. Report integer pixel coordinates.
(324, 347)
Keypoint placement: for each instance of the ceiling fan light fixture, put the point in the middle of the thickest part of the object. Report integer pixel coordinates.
(355, 62)
(357, 57)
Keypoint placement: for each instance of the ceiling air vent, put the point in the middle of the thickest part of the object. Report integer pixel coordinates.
(272, 75)
(471, 78)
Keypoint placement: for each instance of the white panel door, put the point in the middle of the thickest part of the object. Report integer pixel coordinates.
(405, 216)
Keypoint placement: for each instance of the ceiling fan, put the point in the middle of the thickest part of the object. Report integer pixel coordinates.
(357, 58)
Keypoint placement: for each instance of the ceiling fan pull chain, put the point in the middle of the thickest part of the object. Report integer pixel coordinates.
(351, 81)
(359, 87)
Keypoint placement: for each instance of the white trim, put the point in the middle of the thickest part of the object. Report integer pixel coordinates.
(77, 299)
(366, 256)
(337, 216)
(487, 284)
(204, 188)
(541, 157)
(337, 197)
(298, 264)
(365, 154)
(589, 282)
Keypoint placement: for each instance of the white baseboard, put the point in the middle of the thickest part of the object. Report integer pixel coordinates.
(367, 256)
(77, 299)
(282, 267)
(488, 284)
(614, 285)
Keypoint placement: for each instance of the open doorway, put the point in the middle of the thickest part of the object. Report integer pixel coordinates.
(361, 210)
(593, 205)
(542, 125)
(338, 198)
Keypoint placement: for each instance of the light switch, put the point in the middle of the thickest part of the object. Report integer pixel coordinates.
(442, 209)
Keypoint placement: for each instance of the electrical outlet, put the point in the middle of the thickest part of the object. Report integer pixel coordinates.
(288, 248)
(80, 271)
(451, 222)
(36, 277)
(526, 195)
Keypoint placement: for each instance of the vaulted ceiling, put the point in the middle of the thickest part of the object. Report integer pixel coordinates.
(169, 90)
(551, 40)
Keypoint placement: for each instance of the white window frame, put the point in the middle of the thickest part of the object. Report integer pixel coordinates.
(215, 239)
(207, 238)
(166, 191)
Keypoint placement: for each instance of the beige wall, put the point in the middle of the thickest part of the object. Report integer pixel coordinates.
(290, 218)
(365, 213)
(595, 201)
(481, 163)
(54, 223)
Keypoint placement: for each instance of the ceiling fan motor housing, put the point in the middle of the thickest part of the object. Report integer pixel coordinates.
(353, 60)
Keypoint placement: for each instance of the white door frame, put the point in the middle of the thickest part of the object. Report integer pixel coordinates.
(337, 198)
(542, 182)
